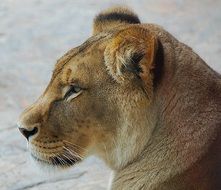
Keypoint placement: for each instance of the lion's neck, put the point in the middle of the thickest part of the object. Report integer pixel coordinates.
(169, 153)
(185, 130)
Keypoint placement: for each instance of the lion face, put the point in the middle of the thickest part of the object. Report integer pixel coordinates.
(94, 102)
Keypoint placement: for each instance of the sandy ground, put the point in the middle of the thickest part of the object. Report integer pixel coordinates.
(35, 33)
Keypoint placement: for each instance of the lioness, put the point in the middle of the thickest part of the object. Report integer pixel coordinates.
(139, 99)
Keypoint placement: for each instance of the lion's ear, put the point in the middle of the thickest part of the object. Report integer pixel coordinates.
(114, 17)
(132, 53)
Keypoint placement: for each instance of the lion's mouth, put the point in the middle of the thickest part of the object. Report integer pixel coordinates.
(59, 161)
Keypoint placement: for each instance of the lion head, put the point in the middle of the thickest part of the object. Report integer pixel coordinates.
(97, 101)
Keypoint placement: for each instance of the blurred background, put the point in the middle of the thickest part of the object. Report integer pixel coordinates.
(35, 33)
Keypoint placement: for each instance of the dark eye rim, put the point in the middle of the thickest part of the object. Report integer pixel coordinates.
(72, 90)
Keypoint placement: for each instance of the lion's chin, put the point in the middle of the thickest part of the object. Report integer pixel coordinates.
(56, 162)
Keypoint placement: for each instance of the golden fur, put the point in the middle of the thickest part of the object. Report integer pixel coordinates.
(148, 106)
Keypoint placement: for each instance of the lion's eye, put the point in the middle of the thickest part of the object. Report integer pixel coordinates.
(72, 92)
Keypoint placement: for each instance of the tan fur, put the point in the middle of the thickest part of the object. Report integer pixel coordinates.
(163, 136)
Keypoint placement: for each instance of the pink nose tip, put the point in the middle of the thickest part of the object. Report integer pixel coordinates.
(28, 133)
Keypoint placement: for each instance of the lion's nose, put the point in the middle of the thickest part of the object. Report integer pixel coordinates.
(28, 133)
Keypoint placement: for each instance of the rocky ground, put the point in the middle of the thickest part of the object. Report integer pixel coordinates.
(35, 33)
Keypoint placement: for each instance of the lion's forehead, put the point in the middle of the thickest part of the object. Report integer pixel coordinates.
(80, 50)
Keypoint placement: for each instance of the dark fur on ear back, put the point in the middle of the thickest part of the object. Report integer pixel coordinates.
(158, 65)
(118, 16)
(114, 17)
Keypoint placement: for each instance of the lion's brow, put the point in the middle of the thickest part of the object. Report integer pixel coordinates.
(75, 51)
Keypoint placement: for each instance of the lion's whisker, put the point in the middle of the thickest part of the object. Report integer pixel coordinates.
(75, 154)
(68, 158)
(53, 158)
(74, 145)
